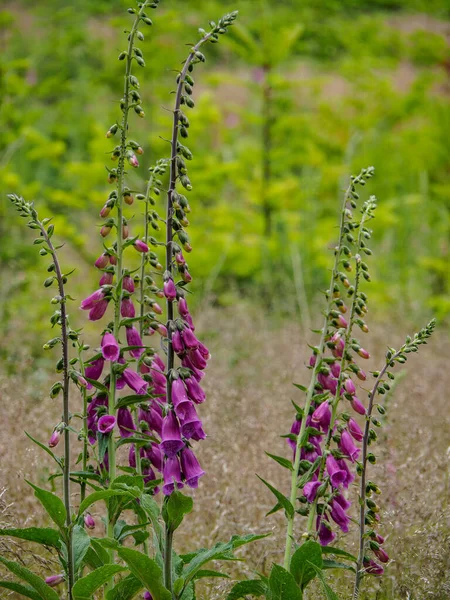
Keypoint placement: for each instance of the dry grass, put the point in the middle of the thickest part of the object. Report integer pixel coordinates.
(249, 386)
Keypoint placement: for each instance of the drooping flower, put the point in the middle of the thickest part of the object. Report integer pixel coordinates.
(195, 392)
(102, 261)
(170, 291)
(171, 475)
(310, 490)
(295, 430)
(54, 439)
(152, 418)
(92, 300)
(97, 311)
(349, 476)
(191, 425)
(322, 416)
(141, 246)
(355, 430)
(336, 473)
(134, 339)
(372, 567)
(89, 521)
(191, 468)
(177, 342)
(189, 339)
(358, 406)
(347, 446)
(171, 441)
(326, 534)
(94, 370)
(153, 453)
(349, 386)
(106, 424)
(55, 580)
(339, 516)
(381, 555)
(106, 279)
(110, 347)
(128, 284)
(127, 308)
(134, 381)
(125, 422)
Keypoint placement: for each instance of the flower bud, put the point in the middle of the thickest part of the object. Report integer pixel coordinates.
(363, 353)
(112, 130)
(105, 230)
(54, 439)
(54, 580)
(89, 521)
(141, 246)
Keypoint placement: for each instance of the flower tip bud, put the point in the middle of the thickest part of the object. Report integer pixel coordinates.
(89, 521)
(54, 580)
(54, 439)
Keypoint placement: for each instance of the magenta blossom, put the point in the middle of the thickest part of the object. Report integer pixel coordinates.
(153, 453)
(110, 348)
(191, 468)
(134, 339)
(322, 416)
(358, 406)
(89, 521)
(102, 261)
(127, 308)
(195, 392)
(54, 439)
(326, 535)
(106, 279)
(92, 300)
(372, 567)
(147, 596)
(295, 430)
(310, 490)
(141, 246)
(152, 418)
(336, 473)
(339, 516)
(134, 381)
(106, 424)
(171, 435)
(347, 446)
(172, 475)
(189, 339)
(54, 580)
(355, 430)
(170, 291)
(125, 422)
(191, 425)
(97, 312)
(177, 342)
(128, 284)
(94, 370)
(381, 555)
(349, 387)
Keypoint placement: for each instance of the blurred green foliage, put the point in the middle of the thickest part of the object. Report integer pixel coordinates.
(300, 95)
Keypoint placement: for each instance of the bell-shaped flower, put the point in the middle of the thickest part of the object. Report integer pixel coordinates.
(191, 468)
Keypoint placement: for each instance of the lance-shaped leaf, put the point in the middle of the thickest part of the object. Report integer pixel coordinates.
(147, 571)
(175, 508)
(255, 587)
(303, 561)
(281, 460)
(52, 504)
(329, 594)
(44, 591)
(85, 587)
(80, 544)
(125, 589)
(41, 535)
(338, 552)
(22, 590)
(283, 586)
(285, 502)
(101, 495)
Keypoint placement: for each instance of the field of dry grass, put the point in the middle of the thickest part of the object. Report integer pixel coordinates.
(249, 385)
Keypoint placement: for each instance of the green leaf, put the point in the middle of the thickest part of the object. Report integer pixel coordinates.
(332, 564)
(210, 573)
(41, 535)
(309, 431)
(282, 585)
(98, 385)
(129, 482)
(237, 541)
(126, 589)
(151, 508)
(101, 495)
(80, 544)
(102, 444)
(274, 509)
(285, 502)
(45, 448)
(101, 552)
(284, 462)
(44, 591)
(300, 387)
(23, 590)
(85, 587)
(304, 558)
(52, 504)
(175, 508)
(303, 480)
(329, 594)
(147, 571)
(338, 552)
(255, 587)
(128, 400)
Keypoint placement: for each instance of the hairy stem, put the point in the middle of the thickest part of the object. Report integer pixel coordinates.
(85, 452)
(310, 392)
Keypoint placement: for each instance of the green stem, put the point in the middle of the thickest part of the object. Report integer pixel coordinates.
(168, 542)
(85, 427)
(310, 392)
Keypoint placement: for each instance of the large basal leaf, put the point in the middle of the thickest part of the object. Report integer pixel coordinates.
(125, 589)
(52, 504)
(22, 590)
(44, 591)
(147, 571)
(303, 561)
(285, 502)
(175, 508)
(41, 535)
(80, 544)
(101, 495)
(242, 589)
(85, 587)
(283, 586)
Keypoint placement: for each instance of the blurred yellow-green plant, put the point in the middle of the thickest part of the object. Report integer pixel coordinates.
(302, 94)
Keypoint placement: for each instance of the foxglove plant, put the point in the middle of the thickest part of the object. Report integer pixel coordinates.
(157, 417)
(325, 437)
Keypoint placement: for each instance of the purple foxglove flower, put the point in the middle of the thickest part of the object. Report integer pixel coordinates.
(363, 353)
(349, 477)
(189, 321)
(110, 348)
(89, 521)
(336, 473)
(378, 538)
(178, 391)
(326, 535)
(312, 360)
(158, 378)
(189, 339)
(159, 363)
(152, 418)
(183, 307)
(355, 430)
(339, 516)
(97, 311)
(172, 475)
(94, 370)
(379, 553)
(358, 406)
(92, 300)
(54, 439)
(153, 453)
(347, 446)
(133, 160)
(327, 382)
(127, 308)
(141, 246)
(191, 468)
(128, 284)
(171, 435)
(132, 456)
(349, 387)
(106, 424)
(195, 392)
(125, 422)
(177, 342)
(335, 369)
(185, 275)
(360, 374)
(196, 373)
(310, 490)
(372, 567)
(92, 429)
(295, 430)
(342, 322)
(149, 474)
(170, 291)
(338, 350)
(197, 359)
(340, 499)
(134, 339)
(135, 382)
(95, 403)
(204, 351)
(106, 279)
(102, 261)
(180, 258)
(162, 330)
(54, 580)
(322, 416)
(191, 424)
(199, 435)
(147, 596)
